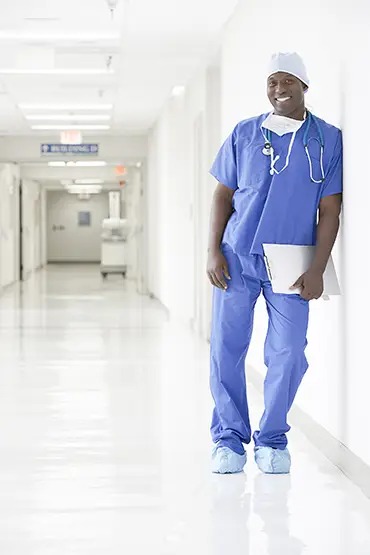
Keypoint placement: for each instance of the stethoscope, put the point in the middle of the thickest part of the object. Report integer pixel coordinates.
(268, 149)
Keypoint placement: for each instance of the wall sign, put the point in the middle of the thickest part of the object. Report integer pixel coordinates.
(85, 149)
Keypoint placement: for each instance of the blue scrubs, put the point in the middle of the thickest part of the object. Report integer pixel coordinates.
(267, 209)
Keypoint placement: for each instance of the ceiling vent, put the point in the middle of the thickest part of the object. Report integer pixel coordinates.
(42, 19)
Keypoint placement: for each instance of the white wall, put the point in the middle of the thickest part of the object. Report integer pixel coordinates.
(356, 118)
(335, 390)
(169, 209)
(178, 199)
(142, 244)
(205, 143)
(74, 243)
(32, 226)
(32, 216)
(9, 224)
(43, 226)
(134, 212)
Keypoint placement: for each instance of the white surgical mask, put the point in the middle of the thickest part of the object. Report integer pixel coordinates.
(282, 125)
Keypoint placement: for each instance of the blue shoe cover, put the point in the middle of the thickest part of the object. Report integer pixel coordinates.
(226, 461)
(272, 461)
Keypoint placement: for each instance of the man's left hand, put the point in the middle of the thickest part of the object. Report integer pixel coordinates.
(311, 285)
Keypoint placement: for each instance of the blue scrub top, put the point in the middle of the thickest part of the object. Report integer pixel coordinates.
(280, 208)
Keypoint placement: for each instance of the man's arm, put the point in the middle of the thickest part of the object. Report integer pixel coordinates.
(312, 283)
(221, 211)
(327, 230)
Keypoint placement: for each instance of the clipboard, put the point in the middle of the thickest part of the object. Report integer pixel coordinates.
(285, 263)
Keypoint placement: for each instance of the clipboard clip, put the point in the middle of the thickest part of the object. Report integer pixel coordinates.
(268, 268)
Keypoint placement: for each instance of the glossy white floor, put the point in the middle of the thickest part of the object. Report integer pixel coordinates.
(104, 443)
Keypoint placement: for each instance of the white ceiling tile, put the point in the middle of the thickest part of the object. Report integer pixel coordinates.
(162, 44)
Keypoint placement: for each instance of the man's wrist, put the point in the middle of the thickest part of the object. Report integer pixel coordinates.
(317, 268)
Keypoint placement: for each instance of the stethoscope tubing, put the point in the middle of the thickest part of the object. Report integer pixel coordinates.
(268, 149)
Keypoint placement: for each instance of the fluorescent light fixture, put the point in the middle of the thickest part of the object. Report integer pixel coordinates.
(178, 90)
(82, 127)
(88, 181)
(79, 164)
(51, 107)
(56, 164)
(82, 190)
(57, 71)
(68, 117)
(55, 37)
(92, 164)
(83, 164)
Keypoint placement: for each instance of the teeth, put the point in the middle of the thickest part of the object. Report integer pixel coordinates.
(283, 99)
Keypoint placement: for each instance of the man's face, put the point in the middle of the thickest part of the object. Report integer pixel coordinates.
(286, 93)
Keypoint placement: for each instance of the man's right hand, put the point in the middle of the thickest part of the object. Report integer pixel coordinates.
(217, 269)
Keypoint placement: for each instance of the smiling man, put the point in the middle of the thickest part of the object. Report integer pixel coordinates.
(279, 181)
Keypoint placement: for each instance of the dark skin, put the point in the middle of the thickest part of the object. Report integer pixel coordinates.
(280, 86)
(286, 94)
(310, 285)
(221, 211)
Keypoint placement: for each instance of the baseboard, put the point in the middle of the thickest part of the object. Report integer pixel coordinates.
(350, 464)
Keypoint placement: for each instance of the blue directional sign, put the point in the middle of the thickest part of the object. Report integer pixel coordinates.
(66, 150)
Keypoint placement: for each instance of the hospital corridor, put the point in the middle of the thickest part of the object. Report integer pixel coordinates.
(160, 392)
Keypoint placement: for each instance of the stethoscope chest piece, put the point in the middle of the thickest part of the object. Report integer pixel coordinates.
(267, 149)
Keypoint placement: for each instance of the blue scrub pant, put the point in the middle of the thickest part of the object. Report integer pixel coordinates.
(232, 324)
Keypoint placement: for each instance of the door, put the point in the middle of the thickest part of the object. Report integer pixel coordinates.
(74, 226)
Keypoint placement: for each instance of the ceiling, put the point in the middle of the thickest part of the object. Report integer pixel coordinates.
(131, 61)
